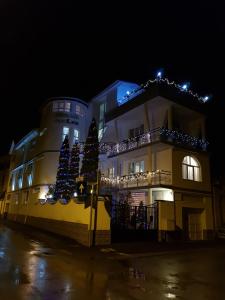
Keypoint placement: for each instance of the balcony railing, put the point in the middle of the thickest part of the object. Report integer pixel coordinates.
(158, 177)
(155, 135)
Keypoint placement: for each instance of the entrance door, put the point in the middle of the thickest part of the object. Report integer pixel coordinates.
(195, 226)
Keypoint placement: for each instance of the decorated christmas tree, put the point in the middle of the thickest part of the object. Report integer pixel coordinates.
(62, 188)
(91, 152)
(74, 168)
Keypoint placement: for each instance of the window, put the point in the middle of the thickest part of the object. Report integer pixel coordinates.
(20, 178)
(100, 130)
(136, 131)
(162, 194)
(191, 169)
(29, 173)
(111, 172)
(102, 110)
(66, 131)
(79, 110)
(75, 136)
(63, 106)
(12, 182)
(136, 167)
(120, 169)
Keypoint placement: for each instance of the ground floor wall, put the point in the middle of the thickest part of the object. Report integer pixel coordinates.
(74, 220)
(189, 217)
(219, 206)
(181, 214)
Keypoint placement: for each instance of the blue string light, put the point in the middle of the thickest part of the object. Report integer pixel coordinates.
(160, 79)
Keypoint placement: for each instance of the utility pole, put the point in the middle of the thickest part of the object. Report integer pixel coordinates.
(91, 206)
(96, 208)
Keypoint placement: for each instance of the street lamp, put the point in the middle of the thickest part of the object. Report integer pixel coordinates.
(94, 202)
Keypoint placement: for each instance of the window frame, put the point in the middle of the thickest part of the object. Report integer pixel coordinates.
(65, 134)
(191, 171)
(134, 165)
(76, 138)
(61, 106)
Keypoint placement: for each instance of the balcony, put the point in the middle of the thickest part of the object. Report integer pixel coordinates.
(156, 135)
(143, 179)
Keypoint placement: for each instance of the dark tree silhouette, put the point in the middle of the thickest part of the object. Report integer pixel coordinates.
(91, 152)
(62, 188)
(74, 167)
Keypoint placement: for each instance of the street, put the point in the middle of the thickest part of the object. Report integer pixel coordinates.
(38, 265)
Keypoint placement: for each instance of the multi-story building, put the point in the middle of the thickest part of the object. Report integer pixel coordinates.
(153, 162)
(33, 168)
(156, 156)
(34, 159)
(4, 175)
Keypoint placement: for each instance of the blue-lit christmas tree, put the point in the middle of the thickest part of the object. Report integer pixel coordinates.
(74, 168)
(91, 152)
(62, 188)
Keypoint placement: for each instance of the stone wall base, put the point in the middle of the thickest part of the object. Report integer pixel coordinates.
(76, 231)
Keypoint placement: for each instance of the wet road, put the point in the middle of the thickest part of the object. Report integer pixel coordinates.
(35, 265)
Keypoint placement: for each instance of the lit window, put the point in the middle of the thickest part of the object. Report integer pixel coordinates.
(142, 166)
(191, 169)
(67, 106)
(29, 179)
(66, 131)
(63, 106)
(100, 130)
(102, 110)
(20, 178)
(101, 127)
(29, 173)
(79, 110)
(111, 172)
(12, 182)
(75, 136)
(136, 167)
(162, 194)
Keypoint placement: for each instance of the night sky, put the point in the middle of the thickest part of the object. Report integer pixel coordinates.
(60, 48)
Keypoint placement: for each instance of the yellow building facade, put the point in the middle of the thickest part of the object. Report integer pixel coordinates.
(153, 161)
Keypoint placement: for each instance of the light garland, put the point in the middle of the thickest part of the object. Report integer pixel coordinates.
(147, 177)
(184, 138)
(153, 136)
(159, 79)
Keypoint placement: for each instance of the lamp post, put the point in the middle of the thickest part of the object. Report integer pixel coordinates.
(94, 203)
(90, 222)
(96, 207)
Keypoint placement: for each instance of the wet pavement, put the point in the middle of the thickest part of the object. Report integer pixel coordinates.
(38, 265)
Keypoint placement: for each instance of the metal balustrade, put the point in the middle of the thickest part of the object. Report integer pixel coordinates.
(155, 135)
(158, 177)
(125, 216)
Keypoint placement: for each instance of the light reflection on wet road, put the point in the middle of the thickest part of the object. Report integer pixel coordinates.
(39, 266)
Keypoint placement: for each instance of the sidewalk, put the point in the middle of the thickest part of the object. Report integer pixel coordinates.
(147, 248)
(128, 249)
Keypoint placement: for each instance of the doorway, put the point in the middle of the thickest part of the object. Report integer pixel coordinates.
(193, 223)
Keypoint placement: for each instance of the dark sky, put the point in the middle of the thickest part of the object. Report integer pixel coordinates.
(65, 48)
